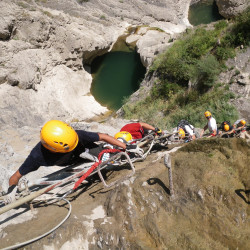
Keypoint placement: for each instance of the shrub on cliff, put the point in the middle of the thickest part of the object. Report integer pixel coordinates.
(205, 72)
(188, 105)
(187, 74)
(177, 62)
(237, 34)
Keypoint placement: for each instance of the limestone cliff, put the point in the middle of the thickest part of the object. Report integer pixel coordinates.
(231, 8)
(45, 46)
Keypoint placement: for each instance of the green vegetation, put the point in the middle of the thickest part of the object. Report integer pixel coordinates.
(156, 28)
(23, 5)
(183, 105)
(16, 37)
(47, 13)
(82, 1)
(42, 1)
(187, 74)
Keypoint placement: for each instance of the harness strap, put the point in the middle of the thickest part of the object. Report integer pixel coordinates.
(94, 166)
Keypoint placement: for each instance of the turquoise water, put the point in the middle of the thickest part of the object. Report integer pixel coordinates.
(116, 75)
(204, 12)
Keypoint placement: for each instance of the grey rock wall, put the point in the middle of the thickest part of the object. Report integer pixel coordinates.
(45, 44)
(231, 8)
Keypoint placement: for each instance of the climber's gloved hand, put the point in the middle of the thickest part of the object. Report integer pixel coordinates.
(10, 196)
(2, 193)
(134, 149)
(23, 183)
(158, 131)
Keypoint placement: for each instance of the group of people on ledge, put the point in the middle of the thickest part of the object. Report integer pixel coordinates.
(225, 127)
(61, 145)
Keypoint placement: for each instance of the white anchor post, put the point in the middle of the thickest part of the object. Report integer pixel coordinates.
(167, 162)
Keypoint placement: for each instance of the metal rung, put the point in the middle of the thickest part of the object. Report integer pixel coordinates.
(108, 162)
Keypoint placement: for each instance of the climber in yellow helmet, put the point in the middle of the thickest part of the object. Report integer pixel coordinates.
(61, 145)
(226, 127)
(211, 125)
(136, 130)
(241, 125)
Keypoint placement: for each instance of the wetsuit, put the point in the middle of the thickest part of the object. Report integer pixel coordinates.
(40, 156)
(135, 129)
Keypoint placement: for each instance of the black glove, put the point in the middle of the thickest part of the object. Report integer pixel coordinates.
(134, 149)
(158, 131)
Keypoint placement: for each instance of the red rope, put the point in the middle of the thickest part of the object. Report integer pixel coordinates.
(94, 166)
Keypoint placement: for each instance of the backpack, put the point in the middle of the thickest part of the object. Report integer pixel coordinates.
(224, 123)
(227, 122)
(183, 123)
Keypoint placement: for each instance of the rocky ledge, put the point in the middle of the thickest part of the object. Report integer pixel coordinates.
(231, 8)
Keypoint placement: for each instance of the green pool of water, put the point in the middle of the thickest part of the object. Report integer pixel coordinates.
(204, 12)
(116, 75)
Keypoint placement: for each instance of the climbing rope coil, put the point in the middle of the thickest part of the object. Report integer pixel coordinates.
(26, 195)
(45, 234)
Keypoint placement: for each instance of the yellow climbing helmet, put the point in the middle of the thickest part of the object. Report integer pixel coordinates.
(207, 114)
(181, 133)
(226, 127)
(124, 136)
(58, 136)
(243, 122)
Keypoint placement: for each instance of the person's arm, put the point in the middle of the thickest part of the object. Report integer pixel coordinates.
(214, 132)
(241, 127)
(128, 147)
(31, 163)
(231, 131)
(203, 130)
(149, 127)
(15, 178)
(111, 140)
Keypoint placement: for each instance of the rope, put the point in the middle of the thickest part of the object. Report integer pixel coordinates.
(43, 235)
(94, 166)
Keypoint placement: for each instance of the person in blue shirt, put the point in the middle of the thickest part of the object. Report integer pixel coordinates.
(61, 145)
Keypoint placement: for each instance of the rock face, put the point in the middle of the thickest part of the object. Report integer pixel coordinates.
(237, 76)
(151, 41)
(45, 46)
(231, 8)
(210, 208)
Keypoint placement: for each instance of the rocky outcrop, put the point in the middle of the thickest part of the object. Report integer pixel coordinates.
(45, 46)
(151, 41)
(237, 76)
(231, 8)
(210, 206)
